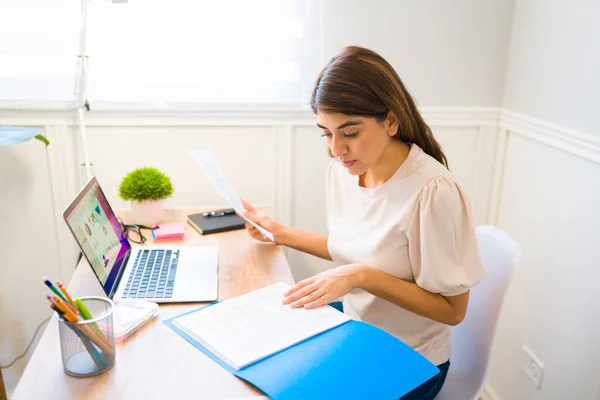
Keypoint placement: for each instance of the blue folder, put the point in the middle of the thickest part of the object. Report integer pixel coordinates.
(354, 360)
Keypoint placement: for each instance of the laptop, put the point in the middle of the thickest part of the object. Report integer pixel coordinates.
(166, 274)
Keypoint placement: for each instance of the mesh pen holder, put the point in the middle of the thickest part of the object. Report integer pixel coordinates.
(88, 346)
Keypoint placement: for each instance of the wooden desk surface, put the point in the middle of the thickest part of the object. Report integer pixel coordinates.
(156, 363)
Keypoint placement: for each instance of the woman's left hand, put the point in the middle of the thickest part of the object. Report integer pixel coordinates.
(324, 287)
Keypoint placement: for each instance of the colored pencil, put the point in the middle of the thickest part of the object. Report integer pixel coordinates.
(85, 329)
(96, 356)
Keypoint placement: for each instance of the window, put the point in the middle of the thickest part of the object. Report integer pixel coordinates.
(188, 51)
(38, 49)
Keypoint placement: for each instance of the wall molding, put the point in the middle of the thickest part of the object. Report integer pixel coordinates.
(581, 144)
(284, 119)
(252, 116)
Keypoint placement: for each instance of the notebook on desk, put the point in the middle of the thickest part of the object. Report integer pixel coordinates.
(216, 221)
(297, 353)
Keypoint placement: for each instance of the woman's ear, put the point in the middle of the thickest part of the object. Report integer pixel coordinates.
(391, 124)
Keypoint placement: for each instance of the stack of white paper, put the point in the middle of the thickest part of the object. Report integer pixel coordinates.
(251, 327)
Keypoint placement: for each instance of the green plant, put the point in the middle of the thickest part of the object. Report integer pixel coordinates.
(17, 134)
(145, 183)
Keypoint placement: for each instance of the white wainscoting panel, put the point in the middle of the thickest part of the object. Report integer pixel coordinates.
(470, 150)
(65, 183)
(550, 203)
(284, 180)
(29, 249)
(245, 155)
(310, 160)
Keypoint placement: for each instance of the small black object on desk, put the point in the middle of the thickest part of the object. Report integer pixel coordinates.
(219, 213)
(216, 221)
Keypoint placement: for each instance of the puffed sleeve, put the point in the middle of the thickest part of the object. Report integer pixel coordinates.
(442, 244)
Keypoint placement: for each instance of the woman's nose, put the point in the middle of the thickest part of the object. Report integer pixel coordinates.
(338, 148)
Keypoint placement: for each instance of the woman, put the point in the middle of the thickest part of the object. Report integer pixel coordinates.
(400, 228)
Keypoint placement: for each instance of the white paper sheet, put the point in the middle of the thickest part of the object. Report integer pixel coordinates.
(207, 162)
(253, 326)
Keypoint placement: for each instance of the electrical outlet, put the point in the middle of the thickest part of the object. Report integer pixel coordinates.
(532, 366)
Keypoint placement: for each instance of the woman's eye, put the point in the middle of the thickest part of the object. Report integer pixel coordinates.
(346, 135)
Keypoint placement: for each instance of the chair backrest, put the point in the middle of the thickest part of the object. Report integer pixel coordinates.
(473, 339)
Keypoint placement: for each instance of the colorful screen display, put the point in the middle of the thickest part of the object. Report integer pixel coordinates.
(99, 234)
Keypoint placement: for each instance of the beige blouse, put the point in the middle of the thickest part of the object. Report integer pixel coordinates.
(418, 227)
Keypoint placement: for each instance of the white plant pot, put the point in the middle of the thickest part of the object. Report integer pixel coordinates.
(148, 212)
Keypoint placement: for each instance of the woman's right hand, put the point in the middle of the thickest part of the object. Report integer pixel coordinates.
(263, 220)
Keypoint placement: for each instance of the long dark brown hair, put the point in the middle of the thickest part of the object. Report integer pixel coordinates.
(359, 82)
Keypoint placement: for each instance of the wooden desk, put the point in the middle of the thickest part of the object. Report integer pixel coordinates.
(156, 363)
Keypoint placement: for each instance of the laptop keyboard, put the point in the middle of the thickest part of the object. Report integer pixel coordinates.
(153, 275)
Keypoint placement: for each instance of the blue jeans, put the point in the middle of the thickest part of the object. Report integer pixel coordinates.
(431, 388)
(427, 390)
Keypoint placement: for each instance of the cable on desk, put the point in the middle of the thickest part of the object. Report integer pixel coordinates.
(28, 346)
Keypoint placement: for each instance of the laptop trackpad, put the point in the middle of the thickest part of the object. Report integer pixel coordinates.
(196, 275)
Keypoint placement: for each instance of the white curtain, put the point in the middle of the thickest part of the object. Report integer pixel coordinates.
(167, 51)
(38, 49)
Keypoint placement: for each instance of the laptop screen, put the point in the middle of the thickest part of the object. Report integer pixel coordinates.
(98, 233)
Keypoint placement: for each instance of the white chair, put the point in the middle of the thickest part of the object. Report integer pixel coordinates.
(473, 339)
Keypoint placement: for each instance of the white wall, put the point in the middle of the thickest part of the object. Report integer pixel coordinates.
(554, 62)
(245, 154)
(549, 204)
(550, 201)
(30, 245)
(451, 53)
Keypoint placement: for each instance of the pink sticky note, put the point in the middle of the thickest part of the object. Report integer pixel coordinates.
(172, 230)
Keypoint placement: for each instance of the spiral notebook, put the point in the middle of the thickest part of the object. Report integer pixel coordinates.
(298, 354)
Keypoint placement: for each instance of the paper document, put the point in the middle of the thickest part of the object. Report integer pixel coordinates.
(253, 326)
(207, 162)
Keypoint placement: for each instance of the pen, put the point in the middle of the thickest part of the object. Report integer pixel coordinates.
(219, 213)
(63, 289)
(86, 314)
(67, 305)
(85, 329)
(96, 356)
(54, 289)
